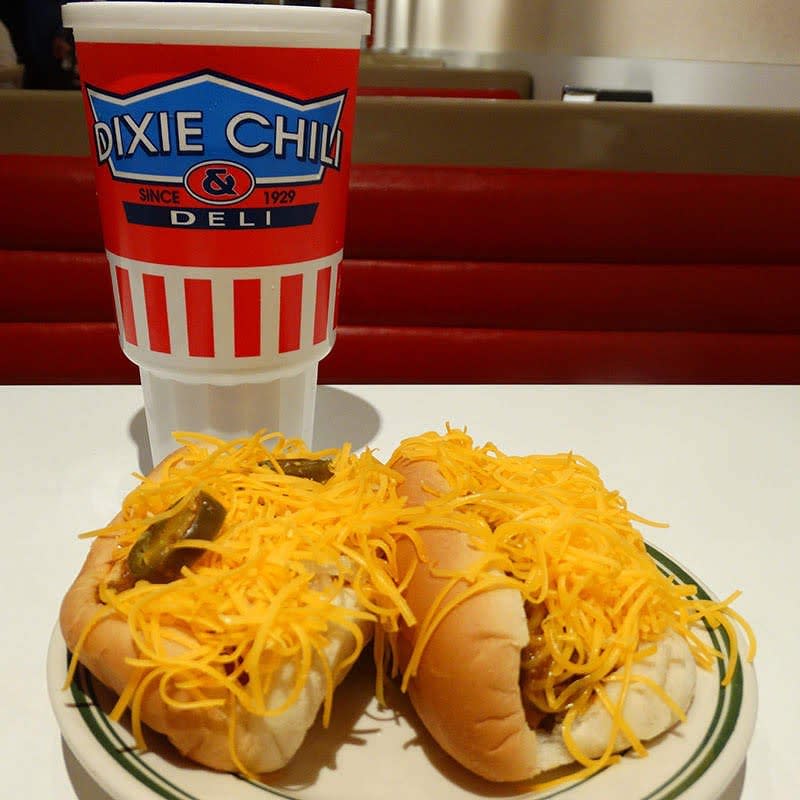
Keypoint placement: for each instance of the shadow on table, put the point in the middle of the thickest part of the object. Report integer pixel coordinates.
(340, 417)
(137, 430)
(86, 788)
(734, 789)
(343, 417)
(83, 784)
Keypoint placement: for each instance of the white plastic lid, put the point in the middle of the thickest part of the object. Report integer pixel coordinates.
(91, 21)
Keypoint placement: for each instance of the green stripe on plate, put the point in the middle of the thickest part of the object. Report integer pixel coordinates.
(723, 723)
(84, 694)
(729, 701)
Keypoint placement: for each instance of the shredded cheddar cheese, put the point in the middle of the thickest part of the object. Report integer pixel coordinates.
(597, 603)
(267, 590)
(296, 560)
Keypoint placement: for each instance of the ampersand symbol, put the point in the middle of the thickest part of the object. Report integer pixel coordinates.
(217, 182)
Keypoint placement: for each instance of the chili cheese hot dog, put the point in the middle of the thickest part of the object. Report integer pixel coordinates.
(232, 593)
(547, 634)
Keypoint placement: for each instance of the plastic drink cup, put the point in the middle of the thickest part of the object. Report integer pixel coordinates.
(221, 136)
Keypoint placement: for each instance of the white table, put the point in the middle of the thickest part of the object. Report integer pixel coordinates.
(720, 464)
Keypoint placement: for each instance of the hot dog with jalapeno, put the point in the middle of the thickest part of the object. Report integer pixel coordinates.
(233, 592)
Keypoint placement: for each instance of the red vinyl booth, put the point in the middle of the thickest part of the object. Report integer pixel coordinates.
(464, 273)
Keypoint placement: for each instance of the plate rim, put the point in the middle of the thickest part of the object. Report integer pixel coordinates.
(707, 779)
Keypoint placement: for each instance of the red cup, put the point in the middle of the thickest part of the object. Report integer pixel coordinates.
(221, 136)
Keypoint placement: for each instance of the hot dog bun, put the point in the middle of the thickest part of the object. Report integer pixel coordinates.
(263, 744)
(465, 686)
(263, 741)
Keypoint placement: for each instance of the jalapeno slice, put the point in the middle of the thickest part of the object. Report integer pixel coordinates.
(315, 469)
(154, 556)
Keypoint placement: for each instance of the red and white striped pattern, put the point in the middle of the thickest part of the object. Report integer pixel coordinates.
(225, 319)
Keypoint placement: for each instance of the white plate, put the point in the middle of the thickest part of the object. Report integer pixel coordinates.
(370, 753)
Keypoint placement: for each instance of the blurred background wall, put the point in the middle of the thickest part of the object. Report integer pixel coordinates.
(707, 52)
(719, 52)
(756, 31)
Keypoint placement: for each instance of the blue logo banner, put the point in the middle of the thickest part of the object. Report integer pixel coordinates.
(158, 134)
